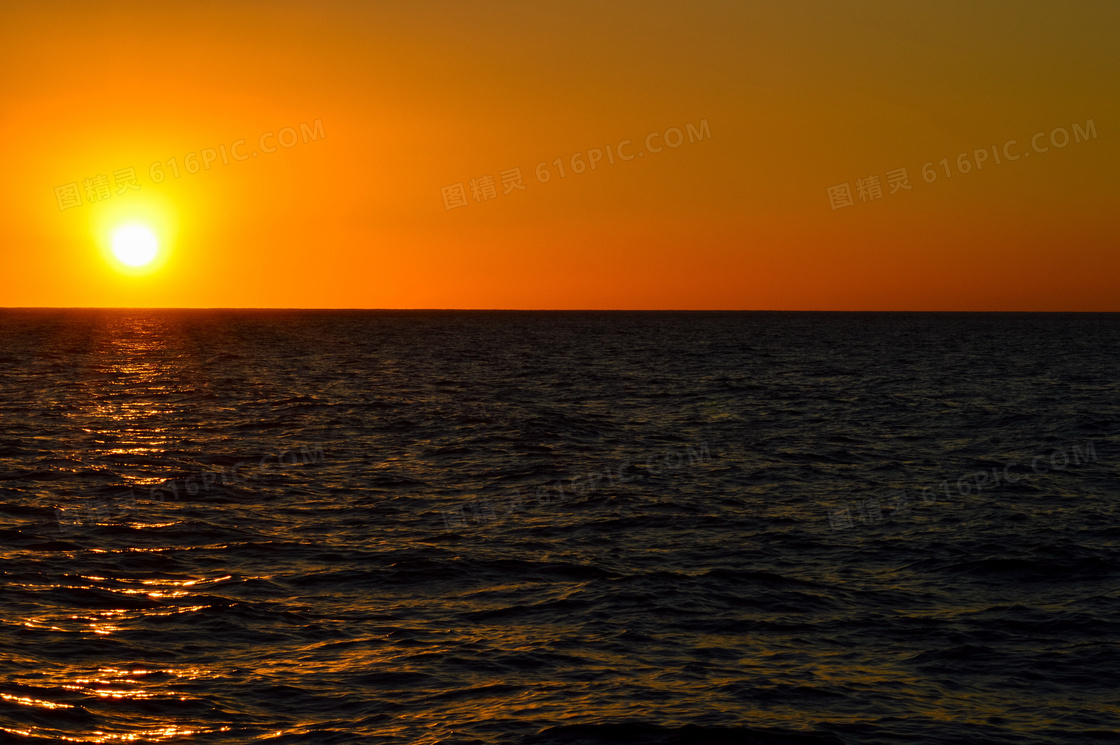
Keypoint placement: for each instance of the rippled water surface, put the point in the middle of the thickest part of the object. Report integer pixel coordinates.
(429, 527)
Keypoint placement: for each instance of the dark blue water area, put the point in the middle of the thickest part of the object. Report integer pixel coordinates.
(559, 528)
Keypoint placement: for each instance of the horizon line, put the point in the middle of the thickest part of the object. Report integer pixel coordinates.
(527, 310)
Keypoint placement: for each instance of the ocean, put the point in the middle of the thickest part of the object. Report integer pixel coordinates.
(550, 528)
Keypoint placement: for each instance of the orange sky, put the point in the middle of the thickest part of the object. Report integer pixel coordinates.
(412, 97)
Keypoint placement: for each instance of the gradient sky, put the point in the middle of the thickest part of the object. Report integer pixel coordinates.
(799, 96)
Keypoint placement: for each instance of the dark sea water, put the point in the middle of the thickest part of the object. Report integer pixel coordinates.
(559, 528)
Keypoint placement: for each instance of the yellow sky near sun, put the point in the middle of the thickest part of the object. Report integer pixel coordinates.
(798, 97)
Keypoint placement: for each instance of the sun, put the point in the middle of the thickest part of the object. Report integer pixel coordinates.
(135, 245)
(137, 238)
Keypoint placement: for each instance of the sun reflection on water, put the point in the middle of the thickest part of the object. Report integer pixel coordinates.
(131, 414)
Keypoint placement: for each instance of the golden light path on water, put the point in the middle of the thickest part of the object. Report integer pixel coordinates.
(125, 423)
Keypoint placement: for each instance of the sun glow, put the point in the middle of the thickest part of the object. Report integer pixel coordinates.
(136, 238)
(135, 245)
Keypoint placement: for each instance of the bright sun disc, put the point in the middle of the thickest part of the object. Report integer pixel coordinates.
(135, 245)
